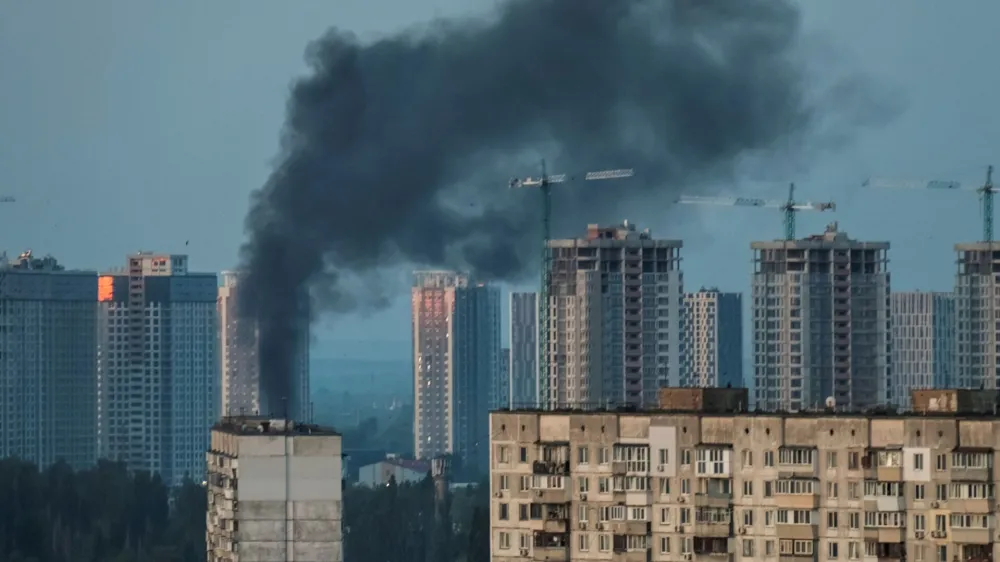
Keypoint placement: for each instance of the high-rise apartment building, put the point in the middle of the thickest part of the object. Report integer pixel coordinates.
(48, 362)
(702, 479)
(523, 320)
(275, 492)
(820, 322)
(501, 389)
(616, 307)
(713, 337)
(240, 363)
(923, 343)
(456, 357)
(977, 308)
(158, 369)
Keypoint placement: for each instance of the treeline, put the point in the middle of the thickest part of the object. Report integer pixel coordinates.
(107, 514)
(405, 523)
(104, 514)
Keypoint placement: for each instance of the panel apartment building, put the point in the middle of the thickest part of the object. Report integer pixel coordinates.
(923, 343)
(616, 304)
(703, 480)
(275, 492)
(456, 359)
(820, 322)
(713, 339)
(523, 319)
(977, 308)
(240, 362)
(158, 369)
(48, 362)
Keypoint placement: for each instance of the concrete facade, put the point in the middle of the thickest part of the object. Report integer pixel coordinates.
(681, 484)
(923, 343)
(820, 322)
(977, 307)
(713, 339)
(616, 301)
(275, 492)
(523, 350)
(456, 360)
(158, 366)
(48, 362)
(240, 365)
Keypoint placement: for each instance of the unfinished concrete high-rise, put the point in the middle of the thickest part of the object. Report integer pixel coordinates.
(615, 302)
(977, 282)
(713, 335)
(923, 343)
(820, 322)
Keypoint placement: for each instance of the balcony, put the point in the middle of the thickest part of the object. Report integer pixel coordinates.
(712, 499)
(550, 467)
(712, 548)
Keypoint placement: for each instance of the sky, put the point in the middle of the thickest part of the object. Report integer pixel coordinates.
(130, 126)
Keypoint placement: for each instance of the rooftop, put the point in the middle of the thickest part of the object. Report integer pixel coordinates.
(257, 425)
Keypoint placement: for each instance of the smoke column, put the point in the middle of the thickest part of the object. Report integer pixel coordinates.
(398, 151)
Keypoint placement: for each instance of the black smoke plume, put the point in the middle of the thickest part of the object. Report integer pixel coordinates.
(398, 151)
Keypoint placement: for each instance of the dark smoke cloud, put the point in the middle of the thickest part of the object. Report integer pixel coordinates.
(398, 150)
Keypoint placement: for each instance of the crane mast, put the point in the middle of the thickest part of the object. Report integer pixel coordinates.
(789, 207)
(544, 184)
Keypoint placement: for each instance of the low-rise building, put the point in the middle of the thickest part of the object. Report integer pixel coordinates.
(275, 492)
(703, 479)
(393, 468)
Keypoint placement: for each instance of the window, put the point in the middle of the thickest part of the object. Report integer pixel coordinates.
(664, 545)
(941, 492)
(664, 486)
(970, 521)
(769, 548)
(602, 455)
(831, 490)
(853, 550)
(747, 458)
(747, 548)
(504, 512)
(885, 519)
(584, 513)
(664, 456)
(789, 547)
(794, 487)
(635, 457)
(853, 490)
(768, 517)
(685, 486)
(525, 483)
(603, 484)
(853, 461)
(583, 484)
(970, 491)
(769, 458)
(832, 550)
(794, 517)
(889, 459)
(524, 454)
(971, 460)
(854, 520)
(919, 490)
(747, 488)
(665, 515)
(583, 455)
(831, 459)
(710, 461)
(685, 457)
(919, 523)
(525, 539)
(748, 517)
(941, 463)
(637, 514)
(503, 483)
(918, 461)
(768, 488)
(504, 540)
(796, 456)
(504, 453)
(636, 542)
(940, 523)
(831, 519)
(604, 543)
(584, 542)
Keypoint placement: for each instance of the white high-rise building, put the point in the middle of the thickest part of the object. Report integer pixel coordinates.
(977, 310)
(713, 339)
(456, 357)
(523, 320)
(48, 363)
(820, 322)
(923, 343)
(158, 369)
(275, 492)
(616, 302)
(240, 363)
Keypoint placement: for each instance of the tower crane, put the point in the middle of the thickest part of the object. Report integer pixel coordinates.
(544, 184)
(789, 207)
(985, 191)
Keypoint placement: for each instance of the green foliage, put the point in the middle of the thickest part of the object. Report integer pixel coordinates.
(104, 514)
(404, 524)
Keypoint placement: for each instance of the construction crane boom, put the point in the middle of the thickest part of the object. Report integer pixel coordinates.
(985, 191)
(790, 207)
(544, 183)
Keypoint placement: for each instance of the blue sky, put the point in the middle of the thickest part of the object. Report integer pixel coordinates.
(139, 125)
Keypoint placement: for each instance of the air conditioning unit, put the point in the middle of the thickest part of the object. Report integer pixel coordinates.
(498, 495)
(919, 534)
(583, 525)
(600, 526)
(524, 552)
(743, 530)
(661, 468)
(681, 499)
(687, 556)
(583, 497)
(935, 505)
(679, 529)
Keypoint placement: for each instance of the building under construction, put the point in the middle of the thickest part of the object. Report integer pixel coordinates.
(820, 322)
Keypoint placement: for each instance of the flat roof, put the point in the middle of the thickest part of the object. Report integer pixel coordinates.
(264, 425)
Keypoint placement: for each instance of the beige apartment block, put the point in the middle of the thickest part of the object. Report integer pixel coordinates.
(701, 479)
(275, 492)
